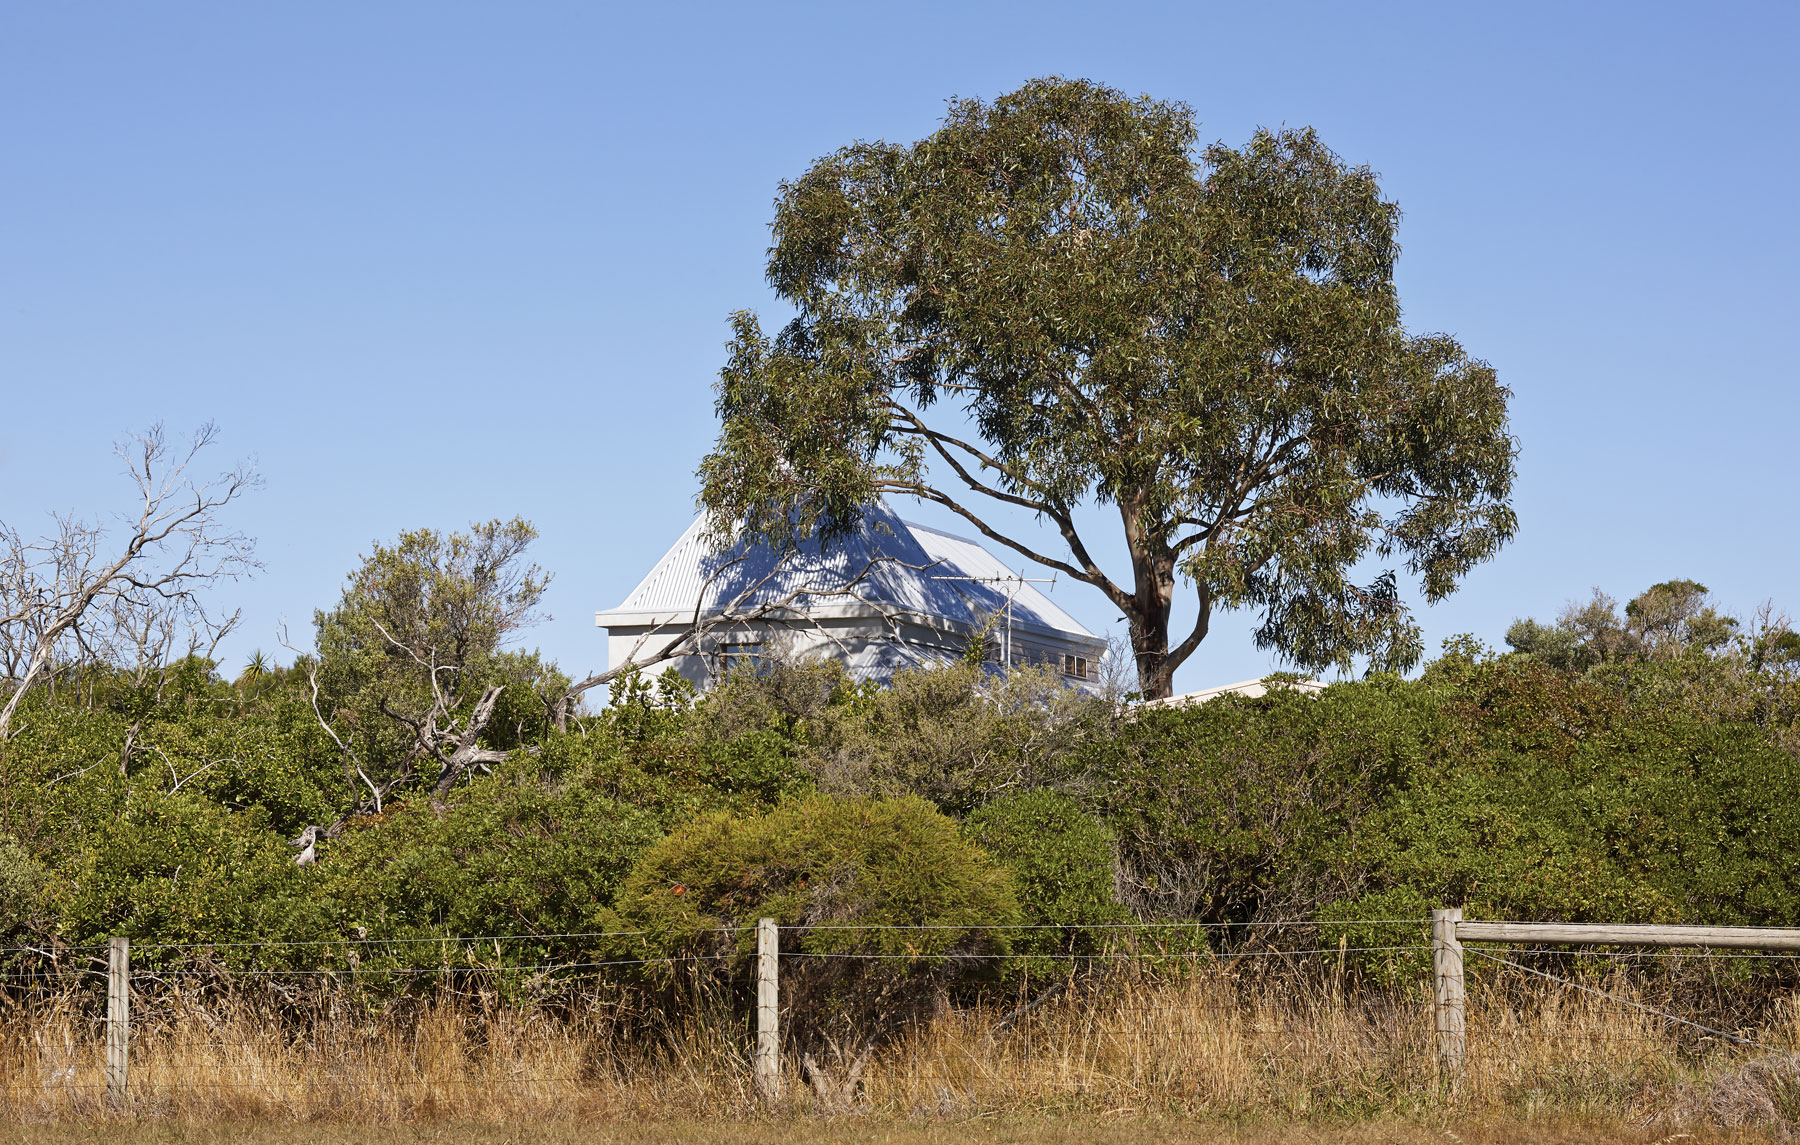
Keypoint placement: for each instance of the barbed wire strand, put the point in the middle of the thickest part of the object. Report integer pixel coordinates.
(146, 944)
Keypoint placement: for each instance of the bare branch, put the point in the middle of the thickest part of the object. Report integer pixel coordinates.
(175, 546)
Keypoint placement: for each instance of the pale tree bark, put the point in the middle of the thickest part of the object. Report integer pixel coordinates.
(439, 736)
(64, 594)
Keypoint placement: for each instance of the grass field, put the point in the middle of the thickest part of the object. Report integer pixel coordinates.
(859, 1131)
(1214, 1057)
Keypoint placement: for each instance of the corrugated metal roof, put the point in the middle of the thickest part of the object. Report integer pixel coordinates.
(904, 565)
(968, 558)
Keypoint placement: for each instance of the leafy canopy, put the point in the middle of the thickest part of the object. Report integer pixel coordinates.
(421, 630)
(1210, 344)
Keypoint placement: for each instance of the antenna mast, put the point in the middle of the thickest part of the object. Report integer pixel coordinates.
(1017, 583)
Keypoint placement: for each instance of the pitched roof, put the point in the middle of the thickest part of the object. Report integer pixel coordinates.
(908, 566)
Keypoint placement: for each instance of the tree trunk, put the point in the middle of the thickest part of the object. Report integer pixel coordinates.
(465, 752)
(1150, 647)
(1153, 576)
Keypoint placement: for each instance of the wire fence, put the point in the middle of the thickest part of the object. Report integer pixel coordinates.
(1139, 1010)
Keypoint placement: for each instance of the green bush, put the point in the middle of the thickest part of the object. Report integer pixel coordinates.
(1653, 791)
(958, 736)
(1505, 787)
(1567, 802)
(511, 855)
(181, 869)
(1061, 859)
(1382, 935)
(21, 886)
(835, 873)
(1242, 810)
(673, 777)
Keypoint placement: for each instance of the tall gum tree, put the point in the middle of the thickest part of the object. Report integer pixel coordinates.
(1055, 299)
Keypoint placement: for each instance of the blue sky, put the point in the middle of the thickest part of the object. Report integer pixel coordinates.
(436, 262)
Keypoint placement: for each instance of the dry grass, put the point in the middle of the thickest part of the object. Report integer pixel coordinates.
(1277, 1055)
(875, 1131)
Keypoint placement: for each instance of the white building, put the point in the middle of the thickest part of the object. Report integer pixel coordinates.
(1247, 688)
(893, 595)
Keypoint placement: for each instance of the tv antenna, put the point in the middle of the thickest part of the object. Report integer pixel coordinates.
(1017, 583)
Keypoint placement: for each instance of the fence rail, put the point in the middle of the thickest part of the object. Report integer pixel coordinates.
(1607, 934)
(1449, 930)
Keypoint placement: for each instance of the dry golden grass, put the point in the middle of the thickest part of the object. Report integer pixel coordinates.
(1211, 1057)
(877, 1131)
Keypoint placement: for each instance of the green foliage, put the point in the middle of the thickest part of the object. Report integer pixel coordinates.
(61, 773)
(1061, 859)
(641, 709)
(1506, 787)
(1573, 804)
(1249, 809)
(182, 869)
(957, 735)
(281, 766)
(815, 864)
(1665, 620)
(1211, 342)
(833, 873)
(22, 881)
(666, 765)
(783, 698)
(1371, 929)
(1673, 651)
(515, 853)
(1655, 783)
(419, 634)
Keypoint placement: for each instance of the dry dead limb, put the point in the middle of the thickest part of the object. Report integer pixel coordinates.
(62, 599)
(838, 1096)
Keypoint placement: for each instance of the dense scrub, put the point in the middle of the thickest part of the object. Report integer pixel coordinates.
(1632, 769)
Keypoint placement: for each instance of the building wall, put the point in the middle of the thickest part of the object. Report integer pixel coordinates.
(867, 649)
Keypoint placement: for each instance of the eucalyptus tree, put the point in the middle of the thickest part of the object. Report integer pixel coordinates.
(1056, 300)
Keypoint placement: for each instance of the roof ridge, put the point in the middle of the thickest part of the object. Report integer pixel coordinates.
(938, 531)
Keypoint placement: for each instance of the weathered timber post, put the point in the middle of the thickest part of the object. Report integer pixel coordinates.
(765, 1064)
(118, 1019)
(1447, 994)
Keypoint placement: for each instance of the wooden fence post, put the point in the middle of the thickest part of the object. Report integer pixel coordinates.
(118, 1019)
(765, 1064)
(1448, 995)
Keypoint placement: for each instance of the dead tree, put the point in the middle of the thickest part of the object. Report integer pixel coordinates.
(439, 736)
(63, 594)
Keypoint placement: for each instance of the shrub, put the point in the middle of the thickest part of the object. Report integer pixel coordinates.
(21, 885)
(957, 735)
(1061, 859)
(1567, 802)
(181, 869)
(673, 777)
(834, 873)
(511, 855)
(1244, 810)
(1505, 787)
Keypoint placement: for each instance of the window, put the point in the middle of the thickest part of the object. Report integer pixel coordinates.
(744, 656)
(1076, 666)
